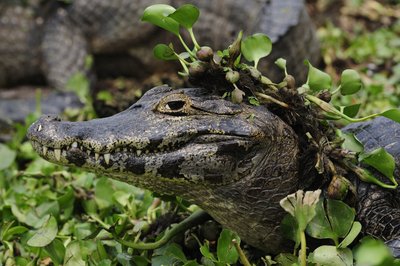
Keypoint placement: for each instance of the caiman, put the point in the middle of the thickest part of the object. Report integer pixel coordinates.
(53, 38)
(236, 161)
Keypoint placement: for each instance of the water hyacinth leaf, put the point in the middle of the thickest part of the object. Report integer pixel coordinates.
(164, 52)
(158, 15)
(281, 63)
(7, 234)
(317, 80)
(351, 110)
(332, 256)
(393, 114)
(186, 15)
(334, 220)
(226, 251)
(301, 206)
(372, 252)
(44, 235)
(286, 259)
(350, 82)
(7, 156)
(255, 47)
(381, 160)
(351, 143)
(354, 232)
(56, 251)
(290, 230)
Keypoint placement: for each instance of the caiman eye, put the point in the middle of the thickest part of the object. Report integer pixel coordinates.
(175, 104)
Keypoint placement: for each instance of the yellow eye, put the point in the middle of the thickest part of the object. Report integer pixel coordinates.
(175, 104)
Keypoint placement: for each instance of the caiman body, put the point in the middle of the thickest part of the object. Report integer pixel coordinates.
(53, 38)
(236, 161)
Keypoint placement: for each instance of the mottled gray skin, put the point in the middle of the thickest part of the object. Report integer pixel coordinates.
(212, 153)
(55, 41)
(207, 151)
(379, 209)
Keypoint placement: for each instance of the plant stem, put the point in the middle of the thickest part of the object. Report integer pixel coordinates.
(196, 44)
(330, 109)
(242, 256)
(185, 46)
(269, 98)
(303, 250)
(195, 218)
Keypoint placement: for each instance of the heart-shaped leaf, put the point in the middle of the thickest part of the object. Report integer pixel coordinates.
(255, 47)
(381, 160)
(393, 114)
(164, 52)
(350, 82)
(317, 80)
(159, 15)
(186, 15)
(44, 235)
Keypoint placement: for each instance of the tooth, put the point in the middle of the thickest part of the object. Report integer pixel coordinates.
(147, 151)
(125, 149)
(107, 158)
(88, 152)
(138, 152)
(44, 150)
(39, 128)
(57, 154)
(96, 156)
(74, 144)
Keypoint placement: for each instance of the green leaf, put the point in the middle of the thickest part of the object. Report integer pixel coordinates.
(158, 15)
(186, 15)
(332, 256)
(333, 221)
(354, 231)
(281, 63)
(255, 47)
(80, 84)
(7, 156)
(372, 252)
(381, 160)
(317, 80)
(10, 232)
(286, 259)
(44, 235)
(290, 229)
(301, 206)
(226, 251)
(104, 193)
(352, 143)
(73, 255)
(351, 110)
(350, 82)
(164, 52)
(393, 114)
(169, 254)
(56, 251)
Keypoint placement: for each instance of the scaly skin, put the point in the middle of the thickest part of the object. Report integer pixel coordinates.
(236, 161)
(55, 39)
(207, 151)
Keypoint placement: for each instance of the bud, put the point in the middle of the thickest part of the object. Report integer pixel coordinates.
(290, 81)
(197, 68)
(205, 54)
(338, 187)
(232, 76)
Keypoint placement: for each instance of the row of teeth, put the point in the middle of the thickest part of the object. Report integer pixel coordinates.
(107, 156)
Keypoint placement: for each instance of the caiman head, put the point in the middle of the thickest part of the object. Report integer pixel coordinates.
(236, 161)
